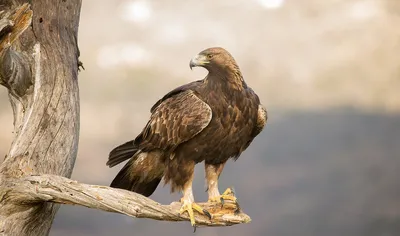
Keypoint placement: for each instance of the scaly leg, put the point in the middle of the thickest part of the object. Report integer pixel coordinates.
(189, 205)
(212, 174)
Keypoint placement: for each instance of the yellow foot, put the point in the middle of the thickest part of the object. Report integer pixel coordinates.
(189, 207)
(227, 195)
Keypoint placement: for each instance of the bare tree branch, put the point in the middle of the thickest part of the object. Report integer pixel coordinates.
(57, 189)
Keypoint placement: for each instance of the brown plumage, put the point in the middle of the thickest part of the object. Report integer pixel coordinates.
(209, 120)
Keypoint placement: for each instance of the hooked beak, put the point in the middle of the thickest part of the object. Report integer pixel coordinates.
(198, 60)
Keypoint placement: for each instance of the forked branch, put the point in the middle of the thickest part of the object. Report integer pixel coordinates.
(57, 189)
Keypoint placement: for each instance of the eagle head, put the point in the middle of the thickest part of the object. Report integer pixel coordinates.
(214, 59)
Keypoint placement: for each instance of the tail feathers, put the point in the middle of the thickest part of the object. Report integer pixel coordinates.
(133, 178)
(121, 153)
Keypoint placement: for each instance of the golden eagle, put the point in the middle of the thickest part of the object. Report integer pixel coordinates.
(210, 120)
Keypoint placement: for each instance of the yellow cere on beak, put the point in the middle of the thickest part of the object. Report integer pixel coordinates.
(198, 60)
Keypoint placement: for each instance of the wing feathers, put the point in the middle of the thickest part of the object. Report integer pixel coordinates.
(175, 120)
(121, 153)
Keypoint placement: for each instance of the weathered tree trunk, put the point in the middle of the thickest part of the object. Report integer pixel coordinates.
(39, 67)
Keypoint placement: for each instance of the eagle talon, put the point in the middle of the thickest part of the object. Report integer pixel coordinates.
(189, 207)
(238, 209)
(227, 195)
(207, 213)
(222, 202)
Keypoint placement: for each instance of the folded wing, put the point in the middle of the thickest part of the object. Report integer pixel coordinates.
(175, 120)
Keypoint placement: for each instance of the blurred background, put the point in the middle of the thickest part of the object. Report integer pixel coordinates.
(328, 161)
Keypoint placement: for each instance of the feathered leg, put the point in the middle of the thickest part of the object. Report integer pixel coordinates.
(188, 204)
(212, 174)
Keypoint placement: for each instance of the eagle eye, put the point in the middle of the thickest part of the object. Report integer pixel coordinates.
(209, 56)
